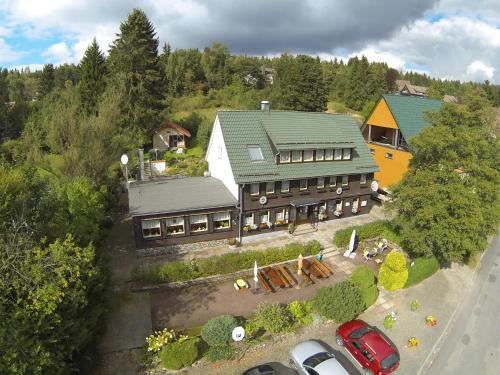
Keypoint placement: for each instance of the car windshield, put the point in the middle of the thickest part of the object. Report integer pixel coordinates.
(357, 334)
(390, 361)
(316, 359)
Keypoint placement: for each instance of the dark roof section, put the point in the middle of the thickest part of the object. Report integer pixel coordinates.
(178, 194)
(174, 126)
(286, 130)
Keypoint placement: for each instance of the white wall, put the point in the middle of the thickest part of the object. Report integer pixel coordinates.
(218, 161)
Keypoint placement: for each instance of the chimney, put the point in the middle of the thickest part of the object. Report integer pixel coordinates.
(264, 106)
(141, 164)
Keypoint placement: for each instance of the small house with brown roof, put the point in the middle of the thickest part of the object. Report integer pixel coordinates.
(170, 136)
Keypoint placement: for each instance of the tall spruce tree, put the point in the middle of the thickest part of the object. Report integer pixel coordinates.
(133, 64)
(92, 72)
(47, 81)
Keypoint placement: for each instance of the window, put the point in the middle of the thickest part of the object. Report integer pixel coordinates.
(345, 180)
(320, 155)
(363, 203)
(333, 181)
(219, 149)
(347, 154)
(270, 187)
(264, 217)
(338, 205)
(372, 151)
(362, 179)
(282, 216)
(321, 183)
(338, 154)
(308, 155)
(303, 184)
(285, 186)
(198, 223)
(388, 155)
(329, 154)
(249, 219)
(151, 228)
(254, 189)
(296, 156)
(221, 220)
(285, 157)
(175, 225)
(255, 153)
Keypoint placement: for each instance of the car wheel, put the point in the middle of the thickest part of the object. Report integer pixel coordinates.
(368, 371)
(292, 365)
(339, 340)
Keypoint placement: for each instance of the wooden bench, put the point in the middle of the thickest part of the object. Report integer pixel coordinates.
(264, 282)
(312, 268)
(286, 275)
(322, 266)
(274, 277)
(305, 275)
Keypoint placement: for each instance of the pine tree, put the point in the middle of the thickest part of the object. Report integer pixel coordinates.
(133, 64)
(46, 82)
(92, 72)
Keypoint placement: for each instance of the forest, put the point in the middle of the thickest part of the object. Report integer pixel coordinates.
(63, 129)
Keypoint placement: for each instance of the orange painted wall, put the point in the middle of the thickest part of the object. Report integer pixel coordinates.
(391, 170)
(382, 116)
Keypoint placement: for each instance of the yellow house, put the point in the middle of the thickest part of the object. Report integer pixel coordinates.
(393, 121)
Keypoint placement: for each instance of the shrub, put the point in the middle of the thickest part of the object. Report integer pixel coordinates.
(301, 311)
(217, 331)
(363, 277)
(393, 272)
(341, 302)
(273, 317)
(389, 321)
(220, 352)
(180, 354)
(160, 338)
(252, 328)
(422, 268)
(369, 295)
(380, 228)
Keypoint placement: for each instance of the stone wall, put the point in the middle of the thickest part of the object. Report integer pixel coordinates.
(179, 249)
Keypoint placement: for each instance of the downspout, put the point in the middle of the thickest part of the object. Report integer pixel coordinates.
(240, 226)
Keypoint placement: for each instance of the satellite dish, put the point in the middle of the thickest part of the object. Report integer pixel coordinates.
(124, 159)
(263, 200)
(374, 186)
(339, 191)
(238, 333)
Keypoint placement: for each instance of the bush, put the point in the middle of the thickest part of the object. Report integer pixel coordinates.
(180, 354)
(252, 328)
(341, 302)
(380, 228)
(369, 295)
(301, 311)
(221, 352)
(363, 277)
(393, 273)
(217, 331)
(273, 317)
(223, 264)
(422, 268)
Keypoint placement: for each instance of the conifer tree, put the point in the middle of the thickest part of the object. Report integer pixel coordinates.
(46, 82)
(92, 72)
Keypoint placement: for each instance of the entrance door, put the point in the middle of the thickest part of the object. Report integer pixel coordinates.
(302, 214)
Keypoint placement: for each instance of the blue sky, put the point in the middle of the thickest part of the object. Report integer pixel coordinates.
(454, 39)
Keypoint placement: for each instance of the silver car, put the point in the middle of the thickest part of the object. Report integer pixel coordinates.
(312, 358)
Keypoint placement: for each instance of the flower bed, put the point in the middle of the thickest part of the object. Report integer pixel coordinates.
(380, 228)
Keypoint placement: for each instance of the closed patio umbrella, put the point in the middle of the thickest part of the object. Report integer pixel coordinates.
(299, 265)
(352, 242)
(255, 272)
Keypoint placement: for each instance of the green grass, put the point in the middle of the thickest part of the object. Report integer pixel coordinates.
(422, 269)
(380, 228)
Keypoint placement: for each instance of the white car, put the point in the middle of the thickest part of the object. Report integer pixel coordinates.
(312, 358)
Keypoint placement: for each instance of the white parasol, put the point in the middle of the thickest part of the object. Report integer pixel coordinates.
(299, 265)
(352, 242)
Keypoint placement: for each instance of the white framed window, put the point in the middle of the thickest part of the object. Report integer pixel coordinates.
(264, 217)
(346, 154)
(372, 151)
(198, 223)
(249, 219)
(338, 154)
(345, 180)
(308, 155)
(362, 179)
(285, 157)
(321, 183)
(285, 186)
(175, 225)
(255, 153)
(388, 155)
(221, 220)
(338, 205)
(296, 156)
(363, 203)
(151, 228)
(270, 187)
(333, 181)
(320, 155)
(328, 154)
(282, 216)
(303, 184)
(254, 189)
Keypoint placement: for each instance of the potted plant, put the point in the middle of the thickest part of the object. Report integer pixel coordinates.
(233, 243)
(246, 228)
(291, 228)
(263, 226)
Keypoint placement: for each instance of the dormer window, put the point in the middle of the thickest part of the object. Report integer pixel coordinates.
(296, 156)
(347, 154)
(329, 154)
(285, 157)
(338, 154)
(255, 153)
(308, 155)
(320, 155)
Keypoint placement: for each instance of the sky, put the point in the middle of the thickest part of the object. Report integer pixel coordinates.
(448, 39)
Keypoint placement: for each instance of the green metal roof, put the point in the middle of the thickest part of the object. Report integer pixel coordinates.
(275, 130)
(409, 112)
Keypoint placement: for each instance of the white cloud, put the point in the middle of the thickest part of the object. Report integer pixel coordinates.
(479, 71)
(7, 54)
(59, 53)
(377, 55)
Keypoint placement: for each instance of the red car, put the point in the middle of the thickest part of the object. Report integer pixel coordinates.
(376, 354)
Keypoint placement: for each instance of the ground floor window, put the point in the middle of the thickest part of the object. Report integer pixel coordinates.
(338, 208)
(363, 203)
(282, 216)
(198, 223)
(222, 220)
(175, 225)
(249, 219)
(151, 228)
(322, 212)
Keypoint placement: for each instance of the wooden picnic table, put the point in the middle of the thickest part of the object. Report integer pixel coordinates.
(305, 275)
(274, 277)
(267, 286)
(286, 276)
(322, 266)
(315, 270)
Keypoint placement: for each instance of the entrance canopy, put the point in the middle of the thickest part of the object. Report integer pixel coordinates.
(305, 202)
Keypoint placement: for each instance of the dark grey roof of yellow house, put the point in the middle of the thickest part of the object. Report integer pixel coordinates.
(276, 131)
(409, 112)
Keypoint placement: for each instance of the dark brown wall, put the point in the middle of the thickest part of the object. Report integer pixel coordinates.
(187, 237)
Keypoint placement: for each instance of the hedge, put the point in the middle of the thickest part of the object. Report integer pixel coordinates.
(341, 302)
(180, 354)
(221, 264)
(422, 269)
(380, 228)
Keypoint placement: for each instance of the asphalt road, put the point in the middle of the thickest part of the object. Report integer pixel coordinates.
(472, 344)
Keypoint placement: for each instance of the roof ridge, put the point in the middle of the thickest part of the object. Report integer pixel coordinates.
(285, 111)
